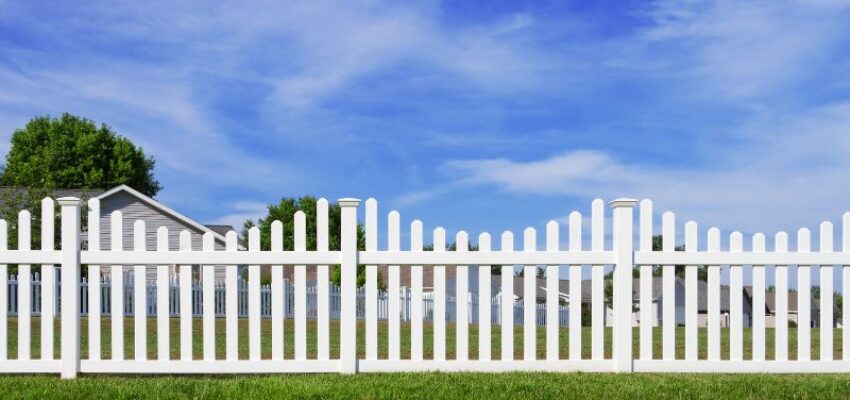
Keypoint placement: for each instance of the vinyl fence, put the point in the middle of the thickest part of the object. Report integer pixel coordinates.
(427, 323)
(220, 303)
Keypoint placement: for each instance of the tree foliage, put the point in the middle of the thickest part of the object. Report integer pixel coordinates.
(72, 152)
(284, 211)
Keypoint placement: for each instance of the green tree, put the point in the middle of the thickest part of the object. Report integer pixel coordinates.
(72, 152)
(284, 211)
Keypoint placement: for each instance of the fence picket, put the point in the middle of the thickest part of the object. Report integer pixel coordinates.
(668, 222)
(140, 311)
(804, 293)
(575, 289)
(597, 242)
(826, 291)
(552, 294)
(462, 300)
(300, 288)
(48, 279)
(713, 298)
(231, 302)
(277, 293)
(162, 299)
(507, 300)
(94, 281)
(845, 288)
(691, 294)
(371, 281)
(208, 306)
(24, 287)
(393, 306)
(185, 300)
(781, 279)
(758, 301)
(484, 302)
(254, 298)
(645, 281)
(322, 278)
(439, 298)
(116, 236)
(529, 298)
(4, 293)
(736, 301)
(416, 340)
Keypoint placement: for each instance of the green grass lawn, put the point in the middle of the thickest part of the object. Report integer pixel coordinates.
(432, 386)
(405, 340)
(420, 385)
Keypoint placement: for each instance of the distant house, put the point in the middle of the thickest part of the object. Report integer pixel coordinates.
(137, 206)
(793, 309)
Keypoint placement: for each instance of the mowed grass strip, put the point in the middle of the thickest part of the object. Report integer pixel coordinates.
(428, 340)
(433, 386)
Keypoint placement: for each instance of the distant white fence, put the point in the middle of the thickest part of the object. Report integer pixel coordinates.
(576, 257)
(265, 302)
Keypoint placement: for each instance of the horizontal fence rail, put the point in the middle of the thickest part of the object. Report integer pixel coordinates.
(569, 297)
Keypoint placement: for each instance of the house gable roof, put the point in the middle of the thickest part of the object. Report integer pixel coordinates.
(161, 208)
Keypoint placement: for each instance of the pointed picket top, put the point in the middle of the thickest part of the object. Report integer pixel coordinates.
(394, 230)
(416, 235)
(668, 231)
(186, 240)
(529, 238)
(804, 240)
(208, 241)
(276, 236)
(507, 241)
(439, 239)
(461, 241)
(484, 241)
(575, 231)
(116, 231)
(139, 239)
(736, 242)
(552, 236)
(759, 243)
(162, 239)
(371, 225)
(781, 242)
(713, 239)
(826, 231)
(231, 241)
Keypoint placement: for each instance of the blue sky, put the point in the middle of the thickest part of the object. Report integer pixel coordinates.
(469, 115)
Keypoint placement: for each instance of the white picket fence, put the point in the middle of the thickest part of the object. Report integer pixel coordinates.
(334, 301)
(577, 257)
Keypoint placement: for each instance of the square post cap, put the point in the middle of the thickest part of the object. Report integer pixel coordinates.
(623, 202)
(68, 201)
(348, 202)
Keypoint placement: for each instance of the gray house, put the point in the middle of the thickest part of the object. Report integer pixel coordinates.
(133, 206)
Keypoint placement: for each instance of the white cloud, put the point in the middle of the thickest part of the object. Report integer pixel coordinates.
(740, 50)
(794, 172)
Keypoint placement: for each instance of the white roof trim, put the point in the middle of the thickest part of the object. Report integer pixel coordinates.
(161, 207)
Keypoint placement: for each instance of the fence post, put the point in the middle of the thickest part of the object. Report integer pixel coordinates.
(70, 364)
(623, 250)
(348, 289)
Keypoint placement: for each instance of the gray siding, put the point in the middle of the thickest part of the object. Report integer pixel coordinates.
(134, 209)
